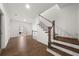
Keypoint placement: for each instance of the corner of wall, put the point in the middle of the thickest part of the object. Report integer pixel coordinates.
(4, 27)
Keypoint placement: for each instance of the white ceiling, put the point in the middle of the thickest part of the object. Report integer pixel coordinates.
(17, 11)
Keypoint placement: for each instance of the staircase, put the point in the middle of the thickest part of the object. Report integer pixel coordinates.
(64, 47)
(60, 41)
(59, 45)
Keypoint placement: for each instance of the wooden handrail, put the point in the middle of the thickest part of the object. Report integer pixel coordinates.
(53, 24)
(45, 28)
(49, 31)
(45, 18)
(49, 37)
(49, 34)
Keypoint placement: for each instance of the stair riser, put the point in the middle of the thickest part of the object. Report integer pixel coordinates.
(67, 47)
(67, 44)
(66, 50)
(68, 40)
(53, 52)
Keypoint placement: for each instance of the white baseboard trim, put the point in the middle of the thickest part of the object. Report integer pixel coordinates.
(53, 52)
(66, 50)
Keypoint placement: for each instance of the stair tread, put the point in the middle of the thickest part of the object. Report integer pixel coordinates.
(67, 47)
(68, 40)
(60, 52)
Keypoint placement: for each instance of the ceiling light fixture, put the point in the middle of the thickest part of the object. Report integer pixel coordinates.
(27, 6)
(24, 20)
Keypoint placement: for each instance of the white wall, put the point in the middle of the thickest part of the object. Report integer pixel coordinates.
(67, 20)
(35, 23)
(14, 28)
(65, 17)
(51, 13)
(78, 21)
(5, 28)
(42, 36)
(78, 28)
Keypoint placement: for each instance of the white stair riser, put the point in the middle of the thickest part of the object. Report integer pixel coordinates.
(53, 52)
(66, 50)
(67, 44)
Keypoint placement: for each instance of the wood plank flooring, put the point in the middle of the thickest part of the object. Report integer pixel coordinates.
(25, 46)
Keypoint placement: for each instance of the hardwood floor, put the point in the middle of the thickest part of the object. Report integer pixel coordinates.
(25, 46)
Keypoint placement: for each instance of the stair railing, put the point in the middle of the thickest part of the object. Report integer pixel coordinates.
(50, 29)
(53, 28)
(42, 25)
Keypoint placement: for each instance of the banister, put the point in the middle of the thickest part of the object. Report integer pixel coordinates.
(43, 25)
(45, 18)
(49, 34)
(49, 37)
(53, 25)
(54, 31)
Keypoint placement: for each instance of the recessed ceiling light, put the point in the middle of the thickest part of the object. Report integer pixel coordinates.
(24, 20)
(27, 6)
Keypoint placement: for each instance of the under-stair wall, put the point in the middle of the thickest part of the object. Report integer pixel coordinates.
(41, 33)
(42, 36)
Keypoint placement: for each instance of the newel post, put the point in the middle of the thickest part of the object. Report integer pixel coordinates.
(53, 29)
(49, 37)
